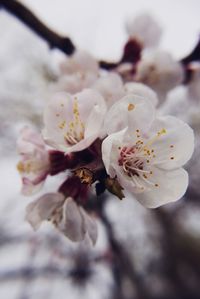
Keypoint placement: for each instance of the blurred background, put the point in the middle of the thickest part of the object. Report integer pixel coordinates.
(163, 245)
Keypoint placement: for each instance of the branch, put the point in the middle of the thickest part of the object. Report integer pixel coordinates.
(193, 56)
(131, 53)
(29, 272)
(28, 18)
(122, 263)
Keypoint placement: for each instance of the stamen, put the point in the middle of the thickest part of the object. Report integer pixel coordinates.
(74, 131)
(131, 107)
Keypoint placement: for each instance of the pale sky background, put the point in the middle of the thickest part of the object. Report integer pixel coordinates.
(98, 26)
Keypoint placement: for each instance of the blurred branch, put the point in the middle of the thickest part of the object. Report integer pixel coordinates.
(193, 56)
(29, 19)
(132, 50)
(180, 250)
(122, 264)
(31, 272)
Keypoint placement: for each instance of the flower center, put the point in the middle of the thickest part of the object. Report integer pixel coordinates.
(137, 161)
(74, 131)
(131, 163)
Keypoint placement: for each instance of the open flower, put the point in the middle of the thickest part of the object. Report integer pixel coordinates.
(147, 161)
(145, 30)
(78, 72)
(160, 71)
(34, 164)
(73, 122)
(67, 216)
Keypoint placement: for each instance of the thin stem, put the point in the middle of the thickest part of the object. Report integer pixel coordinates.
(29, 19)
(123, 263)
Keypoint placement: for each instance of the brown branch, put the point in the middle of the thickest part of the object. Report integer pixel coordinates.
(122, 263)
(29, 272)
(131, 53)
(193, 56)
(29, 19)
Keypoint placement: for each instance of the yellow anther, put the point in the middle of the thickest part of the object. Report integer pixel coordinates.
(62, 124)
(131, 107)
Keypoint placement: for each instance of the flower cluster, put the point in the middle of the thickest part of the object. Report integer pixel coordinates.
(102, 130)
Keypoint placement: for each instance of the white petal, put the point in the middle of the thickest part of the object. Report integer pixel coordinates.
(160, 71)
(145, 29)
(32, 184)
(29, 140)
(132, 111)
(142, 90)
(42, 208)
(60, 112)
(175, 148)
(80, 61)
(72, 225)
(111, 87)
(92, 109)
(171, 187)
(110, 150)
(90, 226)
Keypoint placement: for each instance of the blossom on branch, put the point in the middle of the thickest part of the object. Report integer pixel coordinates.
(34, 164)
(67, 216)
(160, 71)
(145, 30)
(110, 86)
(147, 156)
(74, 122)
(77, 72)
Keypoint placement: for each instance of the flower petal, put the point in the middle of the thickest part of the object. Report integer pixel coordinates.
(81, 116)
(72, 225)
(28, 140)
(31, 184)
(111, 87)
(131, 111)
(144, 29)
(110, 151)
(42, 208)
(58, 111)
(174, 148)
(90, 226)
(171, 187)
(142, 90)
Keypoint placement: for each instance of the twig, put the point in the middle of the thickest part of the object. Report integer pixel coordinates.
(29, 272)
(28, 18)
(179, 249)
(123, 265)
(193, 56)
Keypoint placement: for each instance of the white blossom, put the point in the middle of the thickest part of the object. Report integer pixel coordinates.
(147, 160)
(34, 164)
(160, 71)
(144, 29)
(110, 86)
(77, 72)
(67, 216)
(73, 122)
